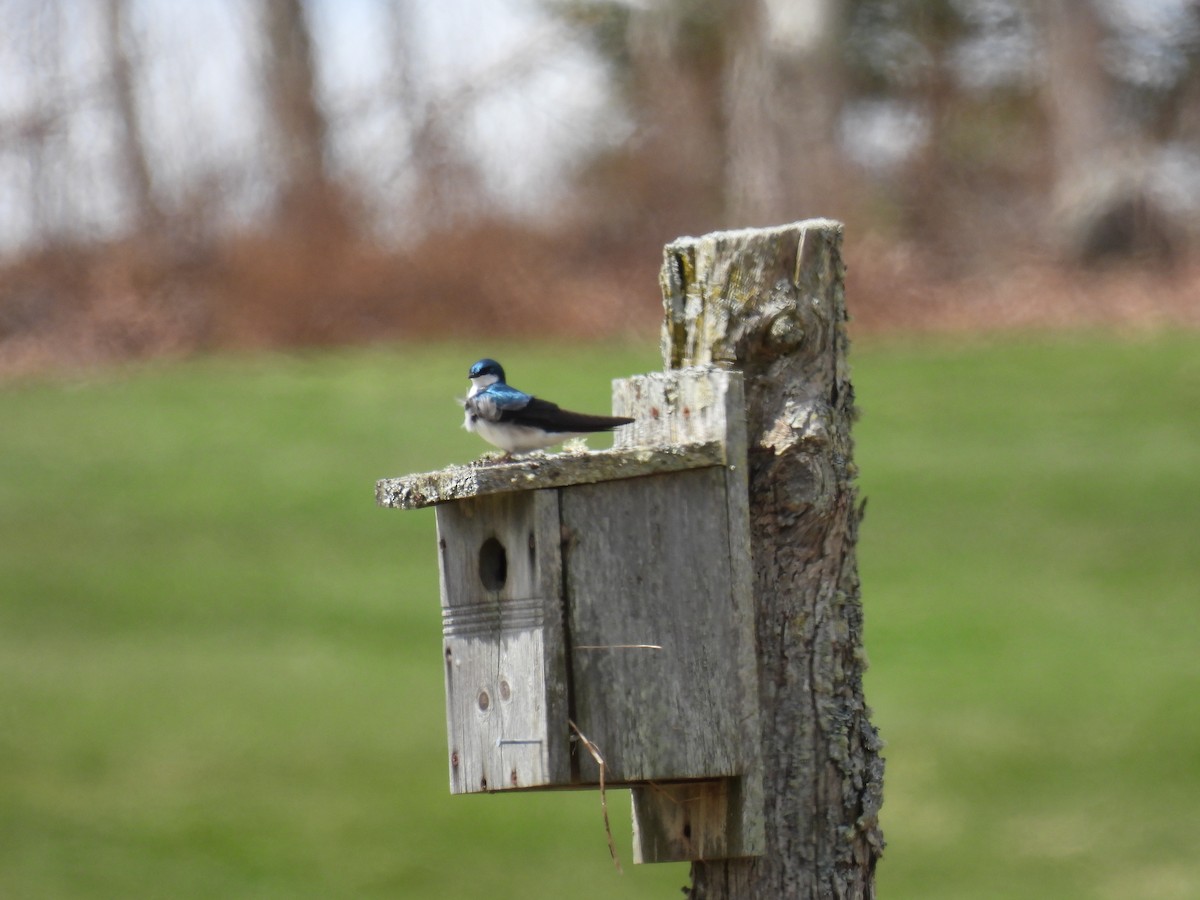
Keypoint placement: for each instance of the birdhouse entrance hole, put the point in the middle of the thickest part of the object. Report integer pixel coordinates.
(493, 564)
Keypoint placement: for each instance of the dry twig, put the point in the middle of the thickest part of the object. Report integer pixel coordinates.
(595, 751)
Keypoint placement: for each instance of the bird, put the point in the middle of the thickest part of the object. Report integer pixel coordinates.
(517, 422)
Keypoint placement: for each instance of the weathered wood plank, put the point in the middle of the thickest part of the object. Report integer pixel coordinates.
(675, 575)
(707, 401)
(539, 470)
(503, 642)
(661, 579)
(686, 406)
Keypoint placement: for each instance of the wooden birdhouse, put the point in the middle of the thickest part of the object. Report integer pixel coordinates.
(596, 606)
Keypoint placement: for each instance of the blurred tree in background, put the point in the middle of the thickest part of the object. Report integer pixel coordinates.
(251, 172)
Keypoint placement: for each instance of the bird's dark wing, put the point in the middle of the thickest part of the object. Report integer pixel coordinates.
(549, 417)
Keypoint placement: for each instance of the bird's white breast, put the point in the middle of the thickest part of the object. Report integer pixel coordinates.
(514, 438)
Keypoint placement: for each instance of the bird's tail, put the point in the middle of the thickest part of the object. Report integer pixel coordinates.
(569, 421)
(562, 421)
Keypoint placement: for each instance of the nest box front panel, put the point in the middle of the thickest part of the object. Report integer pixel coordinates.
(506, 690)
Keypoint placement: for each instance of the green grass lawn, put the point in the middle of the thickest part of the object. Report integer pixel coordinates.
(220, 663)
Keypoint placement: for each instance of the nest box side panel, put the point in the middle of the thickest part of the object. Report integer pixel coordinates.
(647, 564)
(506, 688)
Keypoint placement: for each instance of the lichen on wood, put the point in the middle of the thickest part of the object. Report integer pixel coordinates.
(542, 470)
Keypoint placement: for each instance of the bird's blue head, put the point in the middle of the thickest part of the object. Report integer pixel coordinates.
(487, 367)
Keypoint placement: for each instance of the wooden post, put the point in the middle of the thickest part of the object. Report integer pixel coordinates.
(770, 303)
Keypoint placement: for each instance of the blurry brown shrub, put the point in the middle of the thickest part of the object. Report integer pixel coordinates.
(81, 306)
(896, 288)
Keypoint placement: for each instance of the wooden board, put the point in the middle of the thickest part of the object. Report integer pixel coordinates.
(506, 690)
(646, 562)
(542, 470)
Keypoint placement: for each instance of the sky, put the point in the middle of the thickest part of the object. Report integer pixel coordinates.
(528, 99)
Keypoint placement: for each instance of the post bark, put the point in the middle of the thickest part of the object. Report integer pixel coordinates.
(770, 302)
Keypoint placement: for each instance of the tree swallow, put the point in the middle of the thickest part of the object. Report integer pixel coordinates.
(517, 422)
